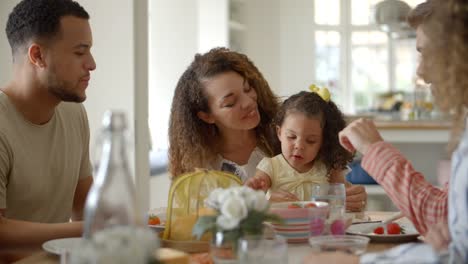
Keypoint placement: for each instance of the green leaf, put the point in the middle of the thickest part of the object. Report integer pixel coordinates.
(203, 225)
(274, 218)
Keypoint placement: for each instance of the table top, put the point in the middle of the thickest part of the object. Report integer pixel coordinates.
(296, 252)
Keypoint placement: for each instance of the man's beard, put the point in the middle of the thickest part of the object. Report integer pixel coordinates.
(58, 89)
(65, 95)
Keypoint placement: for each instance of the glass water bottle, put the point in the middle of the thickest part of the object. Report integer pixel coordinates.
(112, 199)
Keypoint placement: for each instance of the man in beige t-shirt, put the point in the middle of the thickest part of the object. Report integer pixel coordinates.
(45, 172)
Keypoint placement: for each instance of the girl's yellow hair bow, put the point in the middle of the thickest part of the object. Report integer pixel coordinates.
(322, 92)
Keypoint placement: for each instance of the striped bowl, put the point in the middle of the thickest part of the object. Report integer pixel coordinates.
(299, 223)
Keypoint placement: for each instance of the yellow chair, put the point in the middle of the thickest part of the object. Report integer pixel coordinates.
(186, 201)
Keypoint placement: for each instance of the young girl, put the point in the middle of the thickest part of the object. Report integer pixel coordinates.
(307, 126)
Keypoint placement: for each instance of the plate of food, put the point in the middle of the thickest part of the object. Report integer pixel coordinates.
(62, 245)
(394, 232)
(357, 217)
(157, 219)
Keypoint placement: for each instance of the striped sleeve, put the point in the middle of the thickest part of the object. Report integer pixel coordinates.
(419, 200)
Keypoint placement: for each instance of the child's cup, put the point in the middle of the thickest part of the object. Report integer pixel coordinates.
(317, 219)
(332, 193)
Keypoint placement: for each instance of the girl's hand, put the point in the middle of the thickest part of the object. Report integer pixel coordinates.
(359, 135)
(282, 196)
(257, 183)
(438, 236)
(261, 181)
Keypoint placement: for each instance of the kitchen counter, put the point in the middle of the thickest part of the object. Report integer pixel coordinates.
(433, 131)
(414, 124)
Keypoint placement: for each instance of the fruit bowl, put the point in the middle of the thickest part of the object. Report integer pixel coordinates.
(345, 243)
(157, 219)
(300, 219)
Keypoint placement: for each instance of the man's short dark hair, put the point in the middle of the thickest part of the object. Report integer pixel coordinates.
(421, 13)
(39, 19)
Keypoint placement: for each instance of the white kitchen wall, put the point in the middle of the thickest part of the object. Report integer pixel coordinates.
(112, 82)
(5, 52)
(173, 44)
(263, 39)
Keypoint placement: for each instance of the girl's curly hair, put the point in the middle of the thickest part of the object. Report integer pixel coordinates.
(447, 60)
(332, 122)
(194, 143)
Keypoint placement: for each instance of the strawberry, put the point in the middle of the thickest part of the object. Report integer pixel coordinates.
(154, 220)
(310, 205)
(393, 229)
(316, 226)
(379, 230)
(294, 206)
(337, 227)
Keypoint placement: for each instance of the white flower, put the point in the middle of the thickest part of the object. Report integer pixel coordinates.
(213, 199)
(227, 223)
(233, 210)
(260, 202)
(234, 207)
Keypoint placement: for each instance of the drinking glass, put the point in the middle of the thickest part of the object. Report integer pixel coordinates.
(332, 193)
(262, 250)
(335, 195)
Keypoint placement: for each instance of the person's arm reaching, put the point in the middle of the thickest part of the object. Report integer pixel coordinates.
(421, 202)
(424, 204)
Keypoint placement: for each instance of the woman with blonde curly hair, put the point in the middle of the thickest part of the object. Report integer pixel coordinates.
(222, 119)
(446, 61)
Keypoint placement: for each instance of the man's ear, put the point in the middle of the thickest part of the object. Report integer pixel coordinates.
(206, 117)
(36, 55)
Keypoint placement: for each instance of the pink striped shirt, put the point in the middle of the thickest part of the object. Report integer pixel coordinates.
(420, 201)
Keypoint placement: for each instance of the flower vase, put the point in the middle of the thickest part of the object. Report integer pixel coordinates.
(223, 250)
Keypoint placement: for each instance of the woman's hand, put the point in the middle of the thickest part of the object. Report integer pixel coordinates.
(282, 196)
(356, 198)
(438, 236)
(359, 135)
(331, 257)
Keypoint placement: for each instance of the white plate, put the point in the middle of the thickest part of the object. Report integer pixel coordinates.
(161, 213)
(358, 217)
(62, 245)
(411, 234)
(157, 228)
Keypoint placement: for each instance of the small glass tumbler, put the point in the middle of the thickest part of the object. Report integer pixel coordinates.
(332, 193)
(262, 250)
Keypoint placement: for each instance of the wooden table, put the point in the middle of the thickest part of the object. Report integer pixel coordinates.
(296, 252)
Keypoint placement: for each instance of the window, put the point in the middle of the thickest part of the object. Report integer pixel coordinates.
(354, 58)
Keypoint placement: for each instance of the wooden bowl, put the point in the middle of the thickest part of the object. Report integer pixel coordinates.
(187, 246)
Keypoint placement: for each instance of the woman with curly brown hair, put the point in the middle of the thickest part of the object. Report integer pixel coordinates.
(445, 60)
(307, 126)
(221, 115)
